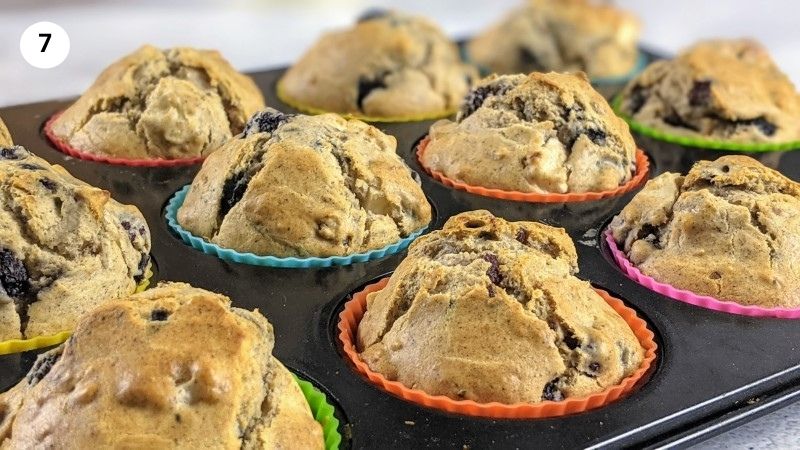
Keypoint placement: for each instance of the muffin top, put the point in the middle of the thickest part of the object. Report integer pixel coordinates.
(389, 65)
(534, 133)
(295, 185)
(723, 89)
(729, 229)
(65, 246)
(560, 35)
(176, 103)
(489, 310)
(172, 367)
(5, 136)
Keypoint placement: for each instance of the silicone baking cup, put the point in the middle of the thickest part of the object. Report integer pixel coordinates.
(697, 142)
(642, 169)
(75, 153)
(689, 297)
(322, 412)
(285, 98)
(228, 254)
(24, 345)
(354, 311)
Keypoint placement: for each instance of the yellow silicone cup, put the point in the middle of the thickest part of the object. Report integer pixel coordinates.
(23, 345)
(313, 110)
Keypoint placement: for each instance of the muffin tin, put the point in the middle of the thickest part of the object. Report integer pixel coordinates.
(713, 370)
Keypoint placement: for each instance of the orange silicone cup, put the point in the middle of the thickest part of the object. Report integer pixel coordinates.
(75, 153)
(642, 168)
(355, 308)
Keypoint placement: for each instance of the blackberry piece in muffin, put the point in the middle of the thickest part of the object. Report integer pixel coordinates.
(172, 367)
(562, 36)
(546, 133)
(65, 246)
(389, 65)
(729, 229)
(722, 89)
(296, 185)
(172, 104)
(491, 311)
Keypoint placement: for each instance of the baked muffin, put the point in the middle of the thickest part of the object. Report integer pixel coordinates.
(5, 136)
(534, 133)
(722, 89)
(389, 65)
(64, 246)
(489, 310)
(295, 185)
(560, 35)
(729, 229)
(172, 367)
(172, 104)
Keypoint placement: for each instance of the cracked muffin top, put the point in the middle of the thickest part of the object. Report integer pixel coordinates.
(137, 374)
(723, 89)
(534, 133)
(560, 35)
(490, 310)
(389, 65)
(172, 104)
(296, 185)
(729, 229)
(5, 136)
(65, 246)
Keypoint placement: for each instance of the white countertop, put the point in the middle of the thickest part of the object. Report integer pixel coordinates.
(261, 34)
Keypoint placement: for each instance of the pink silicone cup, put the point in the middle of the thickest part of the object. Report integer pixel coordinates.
(689, 297)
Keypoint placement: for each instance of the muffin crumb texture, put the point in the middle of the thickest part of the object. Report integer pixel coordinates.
(172, 104)
(729, 229)
(255, 194)
(489, 310)
(65, 246)
(173, 367)
(722, 89)
(389, 65)
(5, 136)
(560, 35)
(542, 133)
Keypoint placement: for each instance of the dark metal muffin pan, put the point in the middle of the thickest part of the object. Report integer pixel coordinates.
(714, 370)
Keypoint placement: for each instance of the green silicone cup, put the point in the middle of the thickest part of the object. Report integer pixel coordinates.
(704, 143)
(322, 412)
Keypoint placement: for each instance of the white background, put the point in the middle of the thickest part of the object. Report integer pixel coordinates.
(262, 34)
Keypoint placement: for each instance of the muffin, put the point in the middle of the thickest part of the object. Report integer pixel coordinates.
(296, 185)
(172, 367)
(388, 66)
(64, 247)
(491, 311)
(534, 133)
(729, 229)
(171, 104)
(560, 35)
(5, 136)
(721, 89)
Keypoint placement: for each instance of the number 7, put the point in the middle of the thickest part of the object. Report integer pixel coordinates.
(46, 37)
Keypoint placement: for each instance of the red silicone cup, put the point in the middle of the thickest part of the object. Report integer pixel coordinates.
(689, 297)
(86, 156)
(354, 311)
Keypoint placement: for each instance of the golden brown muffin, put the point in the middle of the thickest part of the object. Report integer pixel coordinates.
(5, 136)
(723, 89)
(176, 103)
(295, 185)
(489, 310)
(560, 35)
(729, 229)
(172, 367)
(536, 133)
(65, 246)
(388, 65)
